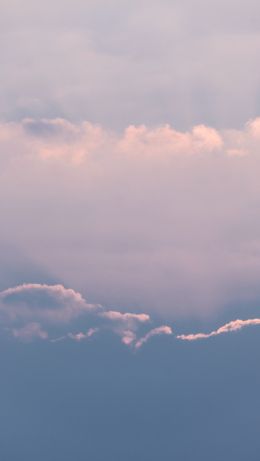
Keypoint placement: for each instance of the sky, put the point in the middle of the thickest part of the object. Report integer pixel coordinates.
(130, 230)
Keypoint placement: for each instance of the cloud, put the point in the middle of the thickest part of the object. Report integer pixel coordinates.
(126, 317)
(128, 337)
(29, 332)
(34, 311)
(60, 140)
(121, 71)
(82, 336)
(163, 330)
(24, 310)
(55, 304)
(234, 325)
(149, 216)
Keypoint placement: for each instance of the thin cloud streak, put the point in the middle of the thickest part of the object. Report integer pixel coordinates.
(234, 325)
(82, 336)
(163, 330)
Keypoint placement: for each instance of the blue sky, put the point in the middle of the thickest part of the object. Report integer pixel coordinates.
(129, 237)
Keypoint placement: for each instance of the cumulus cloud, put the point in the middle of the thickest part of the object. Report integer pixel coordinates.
(59, 139)
(24, 310)
(55, 304)
(31, 311)
(234, 325)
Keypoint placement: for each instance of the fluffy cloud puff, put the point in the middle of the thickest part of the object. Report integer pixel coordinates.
(54, 304)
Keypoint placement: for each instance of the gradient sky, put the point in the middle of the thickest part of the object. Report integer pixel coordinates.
(130, 230)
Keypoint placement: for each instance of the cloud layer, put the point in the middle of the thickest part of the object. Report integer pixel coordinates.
(151, 217)
(118, 62)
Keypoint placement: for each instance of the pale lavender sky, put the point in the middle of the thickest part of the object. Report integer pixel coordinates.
(121, 62)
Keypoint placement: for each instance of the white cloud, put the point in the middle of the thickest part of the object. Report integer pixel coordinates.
(29, 312)
(163, 330)
(234, 325)
(126, 317)
(55, 304)
(25, 308)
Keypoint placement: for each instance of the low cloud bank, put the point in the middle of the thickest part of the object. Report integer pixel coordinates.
(34, 311)
(31, 311)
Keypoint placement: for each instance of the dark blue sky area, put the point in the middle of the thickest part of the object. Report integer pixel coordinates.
(99, 401)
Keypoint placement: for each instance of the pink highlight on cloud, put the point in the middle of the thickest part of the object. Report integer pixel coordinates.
(22, 301)
(128, 337)
(163, 140)
(125, 317)
(82, 336)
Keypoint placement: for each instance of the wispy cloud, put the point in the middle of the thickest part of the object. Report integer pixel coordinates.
(234, 325)
(29, 332)
(82, 336)
(163, 330)
(126, 317)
